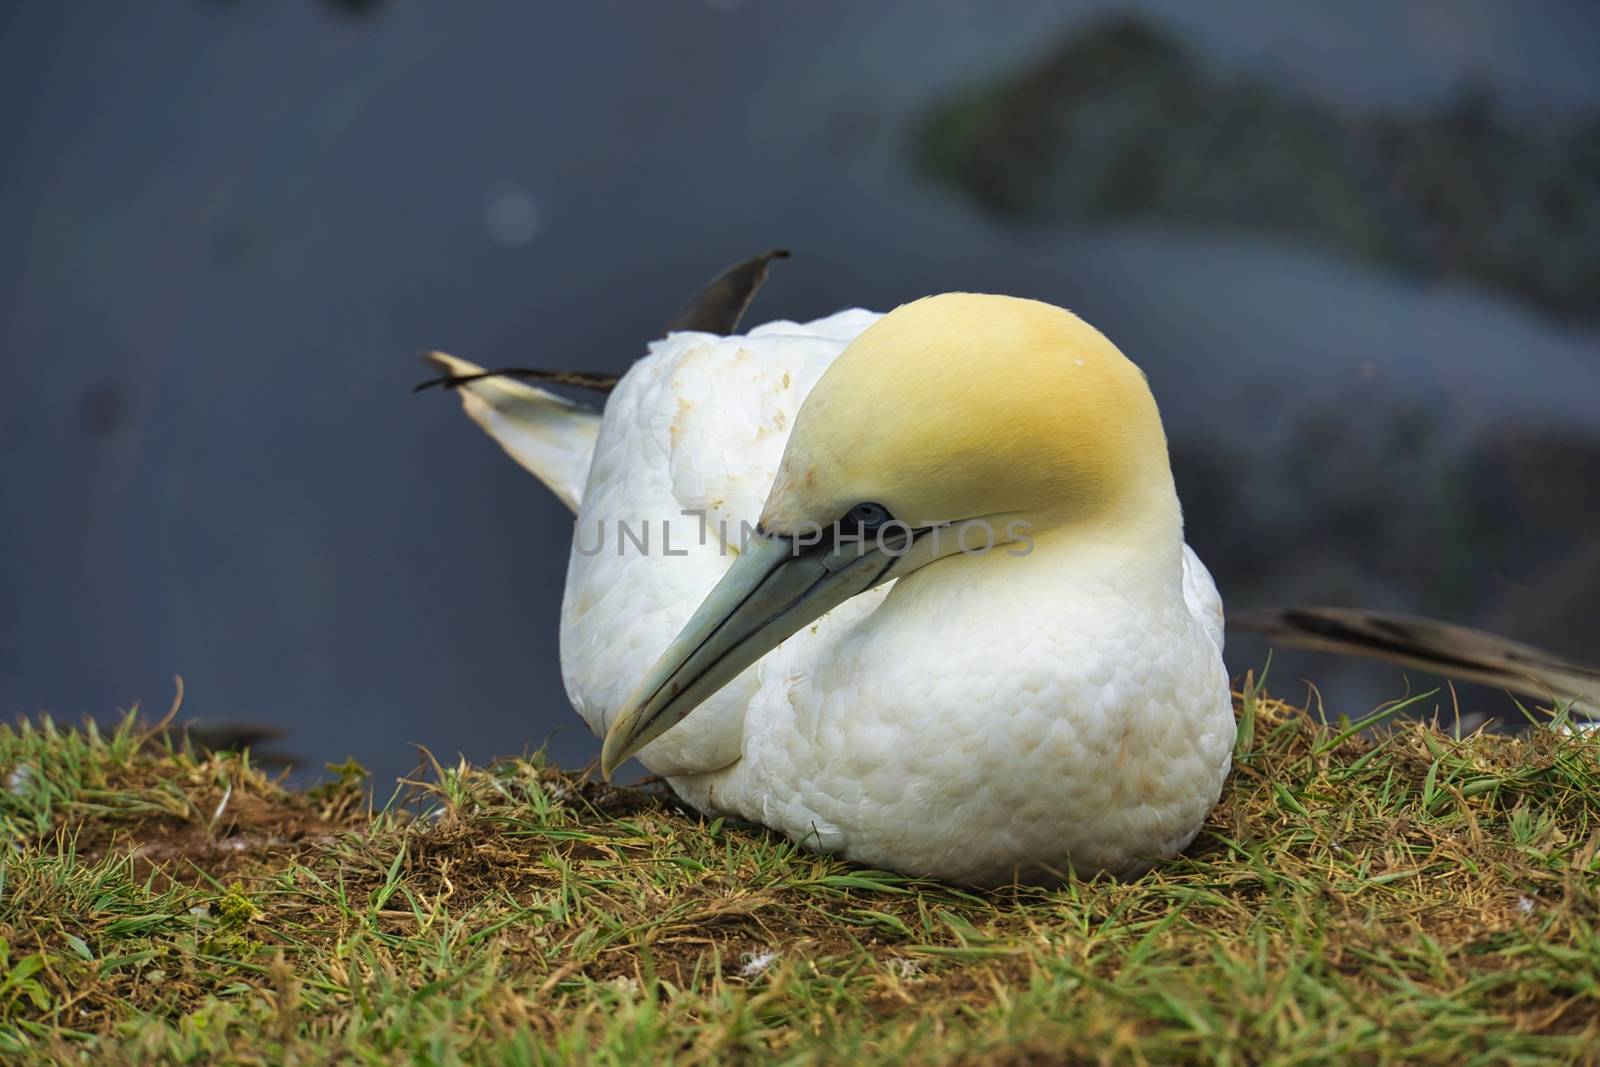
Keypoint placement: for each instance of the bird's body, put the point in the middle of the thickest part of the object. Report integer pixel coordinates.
(1072, 720)
(1057, 702)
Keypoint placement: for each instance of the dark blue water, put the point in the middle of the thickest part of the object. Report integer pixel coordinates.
(230, 227)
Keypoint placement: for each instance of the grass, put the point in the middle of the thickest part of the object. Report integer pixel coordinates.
(1359, 896)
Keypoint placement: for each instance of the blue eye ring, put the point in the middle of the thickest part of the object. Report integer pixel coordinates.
(866, 516)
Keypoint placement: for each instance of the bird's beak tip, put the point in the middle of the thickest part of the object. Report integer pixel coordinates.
(612, 751)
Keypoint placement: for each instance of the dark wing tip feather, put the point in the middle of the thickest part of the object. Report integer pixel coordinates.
(720, 305)
(717, 308)
(1428, 644)
(578, 379)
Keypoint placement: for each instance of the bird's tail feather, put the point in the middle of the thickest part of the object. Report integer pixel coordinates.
(718, 308)
(1440, 647)
(549, 435)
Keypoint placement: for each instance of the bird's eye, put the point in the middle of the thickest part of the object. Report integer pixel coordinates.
(866, 516)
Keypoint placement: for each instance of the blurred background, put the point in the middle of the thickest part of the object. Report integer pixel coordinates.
(1356, 247)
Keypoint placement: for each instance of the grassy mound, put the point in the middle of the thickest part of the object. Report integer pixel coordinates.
(1355, 897)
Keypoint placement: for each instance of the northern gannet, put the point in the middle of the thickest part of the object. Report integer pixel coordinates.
(961, 635)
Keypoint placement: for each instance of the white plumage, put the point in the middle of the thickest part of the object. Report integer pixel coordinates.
(977, 720)
(697, 426)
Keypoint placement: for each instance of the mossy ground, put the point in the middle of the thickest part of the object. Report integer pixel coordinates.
(1357, 896)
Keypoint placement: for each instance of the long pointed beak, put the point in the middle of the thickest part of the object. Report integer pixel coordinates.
(777, 586)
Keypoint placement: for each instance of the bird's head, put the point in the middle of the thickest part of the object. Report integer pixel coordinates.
(967, 406)
(956, 424)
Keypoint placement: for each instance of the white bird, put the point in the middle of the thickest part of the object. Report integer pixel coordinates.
(862, 677)
(961, 636)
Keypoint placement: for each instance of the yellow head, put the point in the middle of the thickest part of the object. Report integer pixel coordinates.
(967, 406)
